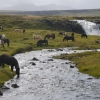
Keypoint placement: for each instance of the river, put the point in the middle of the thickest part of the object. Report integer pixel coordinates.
(50, 79)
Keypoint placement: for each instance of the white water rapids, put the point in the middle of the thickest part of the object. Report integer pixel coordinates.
(89, 27)
(50, 79)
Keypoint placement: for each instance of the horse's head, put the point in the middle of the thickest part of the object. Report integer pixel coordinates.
(18, 71)
(45, 37)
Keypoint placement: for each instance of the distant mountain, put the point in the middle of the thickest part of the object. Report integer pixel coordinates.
(32, 7)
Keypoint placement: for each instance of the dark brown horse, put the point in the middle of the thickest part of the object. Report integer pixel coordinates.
(50, 36)
(84, 35)
(68, 38)
(40, 42)
(9, 60)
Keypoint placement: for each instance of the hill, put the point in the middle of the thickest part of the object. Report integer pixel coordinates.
(87, 12)
(32, 7)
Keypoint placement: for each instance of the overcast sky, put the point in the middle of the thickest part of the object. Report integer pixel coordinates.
(81, 4)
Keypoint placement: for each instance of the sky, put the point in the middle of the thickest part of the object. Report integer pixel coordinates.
(79, 4)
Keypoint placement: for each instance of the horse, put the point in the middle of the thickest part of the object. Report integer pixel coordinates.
(6, 40)
(83, 35)
(68, 38)
(17, 30)
(10, 60)
(72, 34)
(50, 36)
(23, 30)
(1, 27)
(40, 42)
(37, 37)
(62, 33)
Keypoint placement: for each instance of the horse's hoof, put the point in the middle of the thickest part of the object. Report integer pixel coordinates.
(17, 76)
(1, 94)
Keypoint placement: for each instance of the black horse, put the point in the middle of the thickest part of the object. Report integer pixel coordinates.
(9, 60)
(50, 36)
(40, 42)
(84, 35)
(68, 38)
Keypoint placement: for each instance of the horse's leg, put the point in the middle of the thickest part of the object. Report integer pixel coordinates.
(12, 68)
(17, 71)
(63, 39)
(47, 42)
(8, 42)
(2, 45)
(2, 65)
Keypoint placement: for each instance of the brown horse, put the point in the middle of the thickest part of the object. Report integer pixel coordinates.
(50, 36)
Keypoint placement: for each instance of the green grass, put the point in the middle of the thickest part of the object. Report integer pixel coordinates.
(86, 62)
(22, 42)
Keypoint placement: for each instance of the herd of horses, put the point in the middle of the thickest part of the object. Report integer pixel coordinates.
(41, 41)
(10, 60)
(4, 39)
(44, 41)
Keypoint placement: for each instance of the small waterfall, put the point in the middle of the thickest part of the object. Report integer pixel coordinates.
(89, 27)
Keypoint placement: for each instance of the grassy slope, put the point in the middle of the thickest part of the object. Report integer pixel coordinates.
(22, 42)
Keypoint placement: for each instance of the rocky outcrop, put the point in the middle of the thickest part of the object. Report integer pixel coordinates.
(66, 25)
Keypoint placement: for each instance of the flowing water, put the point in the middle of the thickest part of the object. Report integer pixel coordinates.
(50, 79)
(89, 27)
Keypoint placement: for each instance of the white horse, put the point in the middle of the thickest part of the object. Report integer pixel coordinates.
(3, 36)
(1, 27)
(2, 43)
(37, 37)
(17, 30)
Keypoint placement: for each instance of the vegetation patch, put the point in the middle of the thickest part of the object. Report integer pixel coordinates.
(86, 62)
